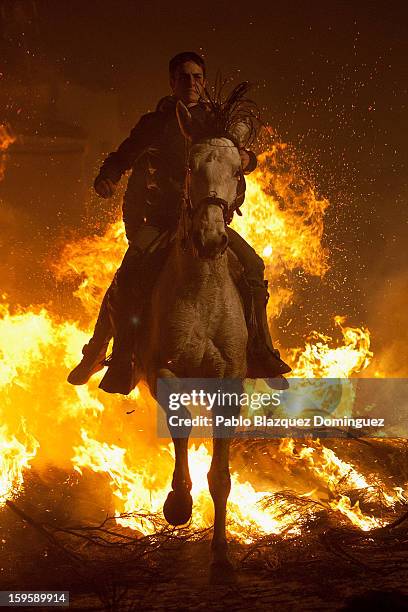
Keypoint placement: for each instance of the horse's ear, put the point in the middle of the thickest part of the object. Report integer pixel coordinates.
(184, 119)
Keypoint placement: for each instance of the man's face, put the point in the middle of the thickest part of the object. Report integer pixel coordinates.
(188, 82)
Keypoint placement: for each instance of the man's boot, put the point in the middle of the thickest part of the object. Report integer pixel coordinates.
(263, 359)
(123, 371)
(94, 353)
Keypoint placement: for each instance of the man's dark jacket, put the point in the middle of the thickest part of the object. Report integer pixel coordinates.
(156, 152)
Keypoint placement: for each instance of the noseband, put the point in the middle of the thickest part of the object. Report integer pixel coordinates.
(213, 200)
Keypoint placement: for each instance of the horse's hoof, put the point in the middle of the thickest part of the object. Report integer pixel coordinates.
(178, 507)
(222, 572)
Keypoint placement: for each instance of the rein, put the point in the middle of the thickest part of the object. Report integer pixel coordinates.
(186, 204)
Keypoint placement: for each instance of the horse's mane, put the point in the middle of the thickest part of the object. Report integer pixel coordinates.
(228, 112)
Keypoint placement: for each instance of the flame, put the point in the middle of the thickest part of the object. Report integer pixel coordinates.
(15, 457)
(95, 259)
(63, 424)
(332, 472)
(319, 359)
(356, 516)
(142, 492)
(283, 219)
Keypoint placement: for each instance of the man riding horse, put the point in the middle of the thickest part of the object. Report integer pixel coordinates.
(155, 151)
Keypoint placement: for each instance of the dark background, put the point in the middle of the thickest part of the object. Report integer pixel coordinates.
(330, 77)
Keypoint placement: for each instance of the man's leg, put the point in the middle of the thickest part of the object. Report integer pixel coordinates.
(121, 376)
(263, 359)
(135, 280)
(113, 309)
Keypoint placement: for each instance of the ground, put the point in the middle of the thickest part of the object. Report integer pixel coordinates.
(107, 568)
(58, 534)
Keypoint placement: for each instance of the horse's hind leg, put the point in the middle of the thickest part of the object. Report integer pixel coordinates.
(219, 482)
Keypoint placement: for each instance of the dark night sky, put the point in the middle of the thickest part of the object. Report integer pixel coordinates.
(331, 77)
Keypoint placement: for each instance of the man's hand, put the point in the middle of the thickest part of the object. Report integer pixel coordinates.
(244, 158)
(104, 187)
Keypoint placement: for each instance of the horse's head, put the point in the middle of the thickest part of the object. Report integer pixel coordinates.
(214, 173)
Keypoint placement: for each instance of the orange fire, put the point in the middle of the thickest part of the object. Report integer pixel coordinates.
(319, 359)
(283, 219)
(83, 428)
(15, 457)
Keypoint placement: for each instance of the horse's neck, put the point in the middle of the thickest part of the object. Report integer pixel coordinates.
(191, 269)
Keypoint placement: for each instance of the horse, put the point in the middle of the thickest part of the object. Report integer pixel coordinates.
(197, 327)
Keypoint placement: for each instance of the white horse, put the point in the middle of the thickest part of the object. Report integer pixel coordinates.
(197, 326)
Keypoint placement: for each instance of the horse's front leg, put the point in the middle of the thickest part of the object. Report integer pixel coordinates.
(178, 506)
(219, 482)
